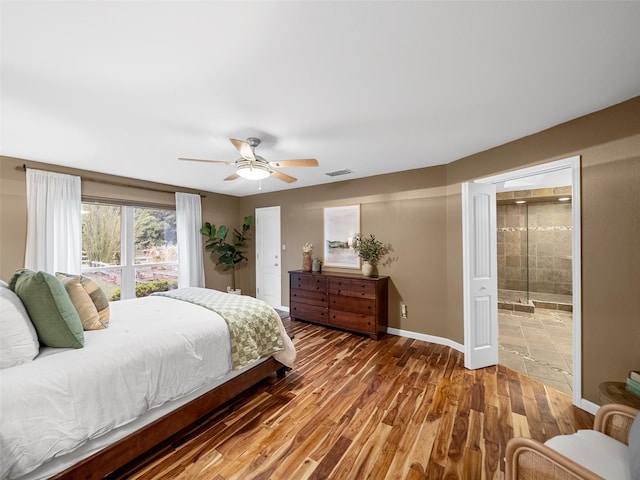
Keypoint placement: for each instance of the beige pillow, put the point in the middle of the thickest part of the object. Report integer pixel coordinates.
(95, 293)
(82, 301)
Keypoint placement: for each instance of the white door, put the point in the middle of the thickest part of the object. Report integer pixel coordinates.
(480, 267)
(268, 256)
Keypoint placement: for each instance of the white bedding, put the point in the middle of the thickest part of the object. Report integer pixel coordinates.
(136, 364)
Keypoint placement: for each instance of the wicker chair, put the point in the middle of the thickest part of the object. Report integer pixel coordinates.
(528, 459)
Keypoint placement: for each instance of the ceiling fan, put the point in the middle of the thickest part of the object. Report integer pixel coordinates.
(254, 167)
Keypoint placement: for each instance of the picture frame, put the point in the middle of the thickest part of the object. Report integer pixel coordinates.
(341, 224)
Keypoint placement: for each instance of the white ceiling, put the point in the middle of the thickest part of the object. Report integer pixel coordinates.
(127, 87)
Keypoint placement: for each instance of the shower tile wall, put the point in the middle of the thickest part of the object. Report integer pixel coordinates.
(548, 249)
(512, 247)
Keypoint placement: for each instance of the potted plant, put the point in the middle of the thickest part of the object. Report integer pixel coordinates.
(370, 251)
(230, 255)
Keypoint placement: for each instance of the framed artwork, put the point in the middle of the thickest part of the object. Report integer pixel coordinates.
(340, 226)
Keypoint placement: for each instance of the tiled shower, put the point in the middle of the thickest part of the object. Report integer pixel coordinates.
(534, 246)
(534, 242)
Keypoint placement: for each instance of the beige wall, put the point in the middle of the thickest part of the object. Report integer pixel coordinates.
(419, 212)
(406, 209)
(219, 209)
(609, 144)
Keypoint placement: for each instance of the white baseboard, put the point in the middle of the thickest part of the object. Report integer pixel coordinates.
(588, 406)
(283, 308)
(427, 338)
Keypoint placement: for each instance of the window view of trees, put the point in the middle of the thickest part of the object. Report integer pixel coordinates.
(149, 264)
(100, 235)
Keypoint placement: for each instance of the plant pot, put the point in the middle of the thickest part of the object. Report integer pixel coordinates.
(369, 269)
(237, 291)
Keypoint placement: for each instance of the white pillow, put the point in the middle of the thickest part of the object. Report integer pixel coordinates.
(18, 338)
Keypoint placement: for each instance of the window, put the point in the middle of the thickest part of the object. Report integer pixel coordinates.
(130, 251)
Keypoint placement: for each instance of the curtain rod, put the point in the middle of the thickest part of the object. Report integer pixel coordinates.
(23, 167)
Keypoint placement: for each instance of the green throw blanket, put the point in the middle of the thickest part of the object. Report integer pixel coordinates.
(253, 324)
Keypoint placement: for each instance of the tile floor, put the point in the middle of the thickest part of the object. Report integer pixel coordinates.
(538, 344)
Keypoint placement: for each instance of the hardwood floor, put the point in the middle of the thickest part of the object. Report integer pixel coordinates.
(354, 408)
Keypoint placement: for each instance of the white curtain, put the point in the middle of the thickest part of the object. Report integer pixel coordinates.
(188, 223)
(54, 233)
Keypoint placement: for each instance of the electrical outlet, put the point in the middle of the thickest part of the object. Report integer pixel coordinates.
(403, 310)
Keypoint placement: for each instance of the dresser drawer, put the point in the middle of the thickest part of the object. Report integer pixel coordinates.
(352, 288)
(308, 297)
(313, 283)
(312, 313)
(353, 321)
(364, 306)
(317, 283)
(298, 282)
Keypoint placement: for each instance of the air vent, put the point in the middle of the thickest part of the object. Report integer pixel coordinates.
(337, 173)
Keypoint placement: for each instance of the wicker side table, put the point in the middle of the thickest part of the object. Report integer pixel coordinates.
(614, 392)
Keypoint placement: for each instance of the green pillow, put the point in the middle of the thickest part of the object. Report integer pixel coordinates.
(50, 308)
(16, 276)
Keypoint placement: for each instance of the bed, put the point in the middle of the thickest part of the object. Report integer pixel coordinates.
(162, 363)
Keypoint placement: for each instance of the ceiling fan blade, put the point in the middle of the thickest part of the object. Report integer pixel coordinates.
(233, 176)
(302, 162)
(244, 148)
(283, 176)
(207, 161)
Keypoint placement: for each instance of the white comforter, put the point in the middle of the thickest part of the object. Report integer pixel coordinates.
(65, 397)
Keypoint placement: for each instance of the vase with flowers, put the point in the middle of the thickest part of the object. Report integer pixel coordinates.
(307, 250)
(370, 250)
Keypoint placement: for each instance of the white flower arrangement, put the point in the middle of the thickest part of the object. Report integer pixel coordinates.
(307, 248)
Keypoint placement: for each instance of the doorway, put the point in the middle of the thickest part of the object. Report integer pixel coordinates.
(526, 179)
(535, 304)
(268, 256)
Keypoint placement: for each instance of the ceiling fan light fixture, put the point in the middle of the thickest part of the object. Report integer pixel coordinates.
(253, 171)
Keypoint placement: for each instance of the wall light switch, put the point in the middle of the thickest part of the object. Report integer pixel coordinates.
(284, 247)
(404, 311)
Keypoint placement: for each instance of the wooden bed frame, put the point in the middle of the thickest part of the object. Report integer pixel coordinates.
(130, 447)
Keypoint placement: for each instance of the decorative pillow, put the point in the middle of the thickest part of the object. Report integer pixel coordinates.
(17, 275)
(87, 311)
(96, 294)
(19, 341)
(634, 448)
(51, 310)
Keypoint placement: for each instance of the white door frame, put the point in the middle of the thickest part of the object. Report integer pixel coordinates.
(574, 164)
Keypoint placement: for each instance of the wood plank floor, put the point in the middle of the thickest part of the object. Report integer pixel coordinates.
(354, 408)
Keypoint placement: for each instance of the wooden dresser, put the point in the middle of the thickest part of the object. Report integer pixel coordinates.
(351, 302)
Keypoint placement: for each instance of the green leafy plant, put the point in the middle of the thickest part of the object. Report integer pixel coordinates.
(229, 255)
(368, 248)
(145, 289)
